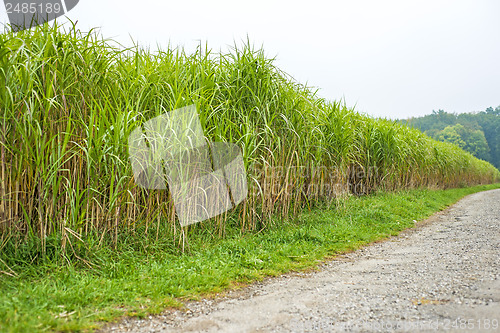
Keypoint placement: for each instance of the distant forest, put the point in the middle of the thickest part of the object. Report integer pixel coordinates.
(475, 132)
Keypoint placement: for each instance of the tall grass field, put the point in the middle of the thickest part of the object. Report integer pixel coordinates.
(69, 101)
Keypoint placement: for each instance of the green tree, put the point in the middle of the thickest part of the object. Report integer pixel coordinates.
(479, 132)
(477, 145)
(451, 135)
(470, 140)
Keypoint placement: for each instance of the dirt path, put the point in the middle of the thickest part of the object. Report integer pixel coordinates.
(442, 276)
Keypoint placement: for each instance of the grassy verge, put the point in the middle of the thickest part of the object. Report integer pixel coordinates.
(148, 277)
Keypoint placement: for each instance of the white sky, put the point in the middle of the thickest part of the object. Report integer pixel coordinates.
(389, 58)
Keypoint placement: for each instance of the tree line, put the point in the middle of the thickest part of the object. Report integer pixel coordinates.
(475, 132)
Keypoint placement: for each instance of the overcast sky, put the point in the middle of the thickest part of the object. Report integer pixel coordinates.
(392, 59)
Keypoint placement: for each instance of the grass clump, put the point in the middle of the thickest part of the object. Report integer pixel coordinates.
(69, 101)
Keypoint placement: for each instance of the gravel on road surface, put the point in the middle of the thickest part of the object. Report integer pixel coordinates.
(443, 275)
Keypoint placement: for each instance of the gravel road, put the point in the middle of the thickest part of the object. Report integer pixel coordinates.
(443, 275)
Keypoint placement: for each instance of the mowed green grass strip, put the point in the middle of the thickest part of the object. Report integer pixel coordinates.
(148, 277)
